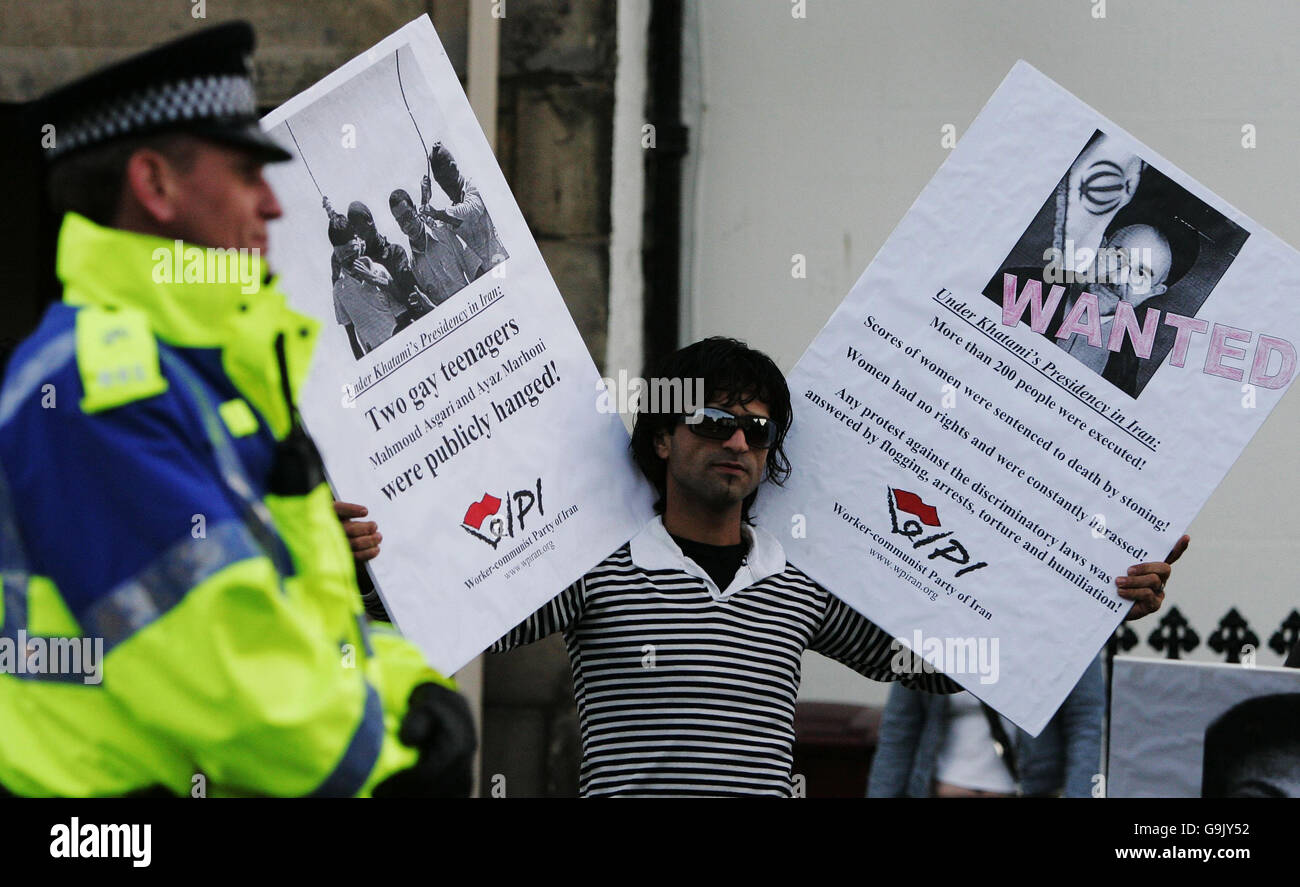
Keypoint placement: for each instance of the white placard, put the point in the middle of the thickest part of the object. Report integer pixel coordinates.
(970, 484)
(468, 425)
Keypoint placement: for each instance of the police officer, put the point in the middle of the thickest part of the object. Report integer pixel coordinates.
(180, 610)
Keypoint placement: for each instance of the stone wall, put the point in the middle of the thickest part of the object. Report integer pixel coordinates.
(49, 42)
(555, 122)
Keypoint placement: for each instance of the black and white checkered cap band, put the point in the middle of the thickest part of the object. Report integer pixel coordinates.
(211, 98)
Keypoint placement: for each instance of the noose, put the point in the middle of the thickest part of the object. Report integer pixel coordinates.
(324, 201)
(304, 159)
(424, 149)
(428, 165)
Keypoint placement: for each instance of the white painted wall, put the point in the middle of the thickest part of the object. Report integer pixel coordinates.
(625, 344)
(815, 135)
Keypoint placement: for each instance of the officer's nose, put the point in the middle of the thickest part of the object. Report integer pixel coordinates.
(269, 205)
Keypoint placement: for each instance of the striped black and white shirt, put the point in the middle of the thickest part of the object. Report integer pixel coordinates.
(686, 689)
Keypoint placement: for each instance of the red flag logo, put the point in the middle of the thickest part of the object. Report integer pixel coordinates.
(912, 504)
(480, 510)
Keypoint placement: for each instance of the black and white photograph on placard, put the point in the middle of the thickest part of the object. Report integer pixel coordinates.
(1118, 238)
(404, 225)
(1194, 729)
(1253, 750)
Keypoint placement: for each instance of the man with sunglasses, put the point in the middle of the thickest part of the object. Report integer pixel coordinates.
(686, 643)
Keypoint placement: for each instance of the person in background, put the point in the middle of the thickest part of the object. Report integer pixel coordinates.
(956, 746)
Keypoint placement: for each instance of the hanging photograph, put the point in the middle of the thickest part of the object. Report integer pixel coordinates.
(404, 227)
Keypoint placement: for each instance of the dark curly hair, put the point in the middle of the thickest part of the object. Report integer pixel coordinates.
(733, 373)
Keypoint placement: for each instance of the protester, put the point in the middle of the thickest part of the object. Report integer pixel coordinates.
(173, 510)
(723, 615)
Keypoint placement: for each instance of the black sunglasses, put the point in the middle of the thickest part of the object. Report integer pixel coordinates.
(716, 424)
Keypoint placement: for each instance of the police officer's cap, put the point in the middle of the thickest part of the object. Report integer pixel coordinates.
(199, 84)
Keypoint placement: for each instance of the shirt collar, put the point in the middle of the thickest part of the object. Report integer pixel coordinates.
(110, 268)
(654, 549)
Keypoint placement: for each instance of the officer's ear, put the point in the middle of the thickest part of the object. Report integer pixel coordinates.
(152, 183)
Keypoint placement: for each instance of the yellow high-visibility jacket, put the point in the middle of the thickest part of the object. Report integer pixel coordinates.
(167, 621)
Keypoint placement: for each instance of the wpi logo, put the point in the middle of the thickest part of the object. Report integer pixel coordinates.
(484, 519)
(951, 550)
